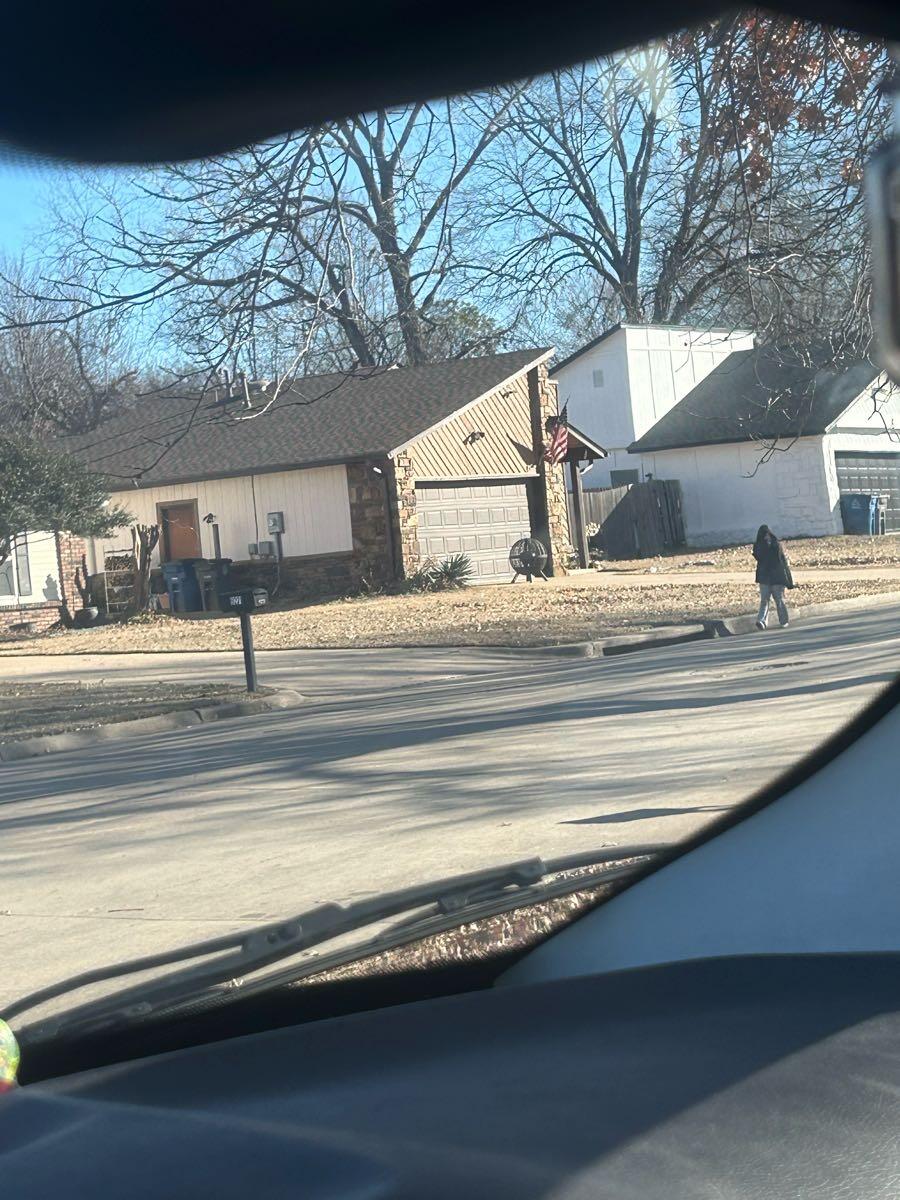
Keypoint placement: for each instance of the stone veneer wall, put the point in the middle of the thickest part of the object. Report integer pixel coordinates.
(404, 512)
(554, 480)
(554, 531)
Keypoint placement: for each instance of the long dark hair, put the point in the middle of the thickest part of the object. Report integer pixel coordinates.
(761, 534)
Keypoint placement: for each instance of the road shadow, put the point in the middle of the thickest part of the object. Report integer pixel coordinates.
(644, 814)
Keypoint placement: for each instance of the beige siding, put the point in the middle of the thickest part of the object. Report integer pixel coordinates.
(44, 569)
(315, 504)
(505, 449)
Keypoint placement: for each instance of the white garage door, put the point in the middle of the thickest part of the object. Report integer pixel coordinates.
(481, 520)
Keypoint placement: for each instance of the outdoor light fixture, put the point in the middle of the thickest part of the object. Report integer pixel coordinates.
(471, 438)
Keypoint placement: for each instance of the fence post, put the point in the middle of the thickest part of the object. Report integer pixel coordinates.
(580, 539)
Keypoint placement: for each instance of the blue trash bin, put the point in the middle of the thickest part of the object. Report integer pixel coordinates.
(859, 512)
(182, 585)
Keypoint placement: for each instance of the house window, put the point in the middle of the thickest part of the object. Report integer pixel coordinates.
(7, 582)
(621, 478)
(15, 573)
(598, 378)
(23, 568)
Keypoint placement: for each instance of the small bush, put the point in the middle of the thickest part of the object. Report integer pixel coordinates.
(421, 580)
(454, 572)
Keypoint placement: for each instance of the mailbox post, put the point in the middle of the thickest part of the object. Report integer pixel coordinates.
(249, 652)
(243, 602)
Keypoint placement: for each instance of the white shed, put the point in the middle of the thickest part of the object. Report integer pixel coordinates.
(776, 438)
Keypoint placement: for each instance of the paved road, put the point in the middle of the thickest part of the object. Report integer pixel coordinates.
(402, 766)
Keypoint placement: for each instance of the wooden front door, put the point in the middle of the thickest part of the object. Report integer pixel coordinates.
(180, 530)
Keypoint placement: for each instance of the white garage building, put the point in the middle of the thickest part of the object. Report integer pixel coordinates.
(775, 437)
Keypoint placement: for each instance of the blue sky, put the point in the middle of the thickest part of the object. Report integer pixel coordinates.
(23, 188)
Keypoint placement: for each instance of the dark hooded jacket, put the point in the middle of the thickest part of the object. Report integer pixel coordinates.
(771, 564)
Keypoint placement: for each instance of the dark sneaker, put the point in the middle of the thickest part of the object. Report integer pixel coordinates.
(760, 625)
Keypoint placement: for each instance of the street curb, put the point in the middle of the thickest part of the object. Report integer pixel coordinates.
(716, 627)
(732, 626)
(619, 643)
(53, 743)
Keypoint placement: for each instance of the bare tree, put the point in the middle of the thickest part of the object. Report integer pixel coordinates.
(59, 374)
(713, 177)
(339, 241)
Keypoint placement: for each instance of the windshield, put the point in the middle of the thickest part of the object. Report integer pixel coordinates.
(504, 477)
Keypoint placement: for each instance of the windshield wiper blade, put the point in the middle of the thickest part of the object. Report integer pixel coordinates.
(244, 952)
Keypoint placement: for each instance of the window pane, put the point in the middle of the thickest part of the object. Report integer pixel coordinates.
(23, 568)
(620, 478)
(6, 579)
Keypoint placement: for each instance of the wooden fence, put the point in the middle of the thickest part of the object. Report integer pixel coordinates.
(637, 520)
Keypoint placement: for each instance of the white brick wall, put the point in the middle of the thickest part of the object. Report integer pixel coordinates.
(728, 493)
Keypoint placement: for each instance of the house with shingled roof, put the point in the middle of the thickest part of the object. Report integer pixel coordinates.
(346, 477)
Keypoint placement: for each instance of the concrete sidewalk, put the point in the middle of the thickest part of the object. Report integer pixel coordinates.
(609, 577)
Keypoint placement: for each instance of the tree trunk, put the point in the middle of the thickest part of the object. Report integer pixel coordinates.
(143, 540)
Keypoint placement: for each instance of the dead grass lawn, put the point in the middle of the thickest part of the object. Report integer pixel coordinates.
(504, 615)
(807, 554)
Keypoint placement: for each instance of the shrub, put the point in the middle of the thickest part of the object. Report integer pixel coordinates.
(454, 572)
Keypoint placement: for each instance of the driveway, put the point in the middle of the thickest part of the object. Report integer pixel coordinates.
(402, 767)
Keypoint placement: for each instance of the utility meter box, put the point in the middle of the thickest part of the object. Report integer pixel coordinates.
(275, 522)
(243, 600)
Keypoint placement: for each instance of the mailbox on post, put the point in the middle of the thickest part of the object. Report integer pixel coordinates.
(242, 602)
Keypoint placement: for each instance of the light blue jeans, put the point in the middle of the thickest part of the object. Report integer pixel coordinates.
(767, 593)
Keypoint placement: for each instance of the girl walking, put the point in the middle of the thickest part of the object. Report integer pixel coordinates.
(773, 574)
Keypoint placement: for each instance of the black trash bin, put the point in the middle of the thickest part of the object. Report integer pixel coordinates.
(859, 511)
(182, 585)
(213, 577)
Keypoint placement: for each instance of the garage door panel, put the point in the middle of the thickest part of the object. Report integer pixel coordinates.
(481, 520)
(874, 473)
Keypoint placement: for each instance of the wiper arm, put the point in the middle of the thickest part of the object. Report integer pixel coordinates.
(244, 952)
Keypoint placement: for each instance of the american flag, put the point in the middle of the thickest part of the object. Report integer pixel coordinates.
(558, 446)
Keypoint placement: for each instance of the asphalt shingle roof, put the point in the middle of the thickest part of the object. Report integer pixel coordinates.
(764, 393)
(321, 419)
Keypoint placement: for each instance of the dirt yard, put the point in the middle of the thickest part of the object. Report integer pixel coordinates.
(502, 615)
(803, 554)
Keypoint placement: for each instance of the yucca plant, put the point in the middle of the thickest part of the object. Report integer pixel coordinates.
(453, 572)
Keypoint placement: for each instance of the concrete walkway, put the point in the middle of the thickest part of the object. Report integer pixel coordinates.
(610, 577)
